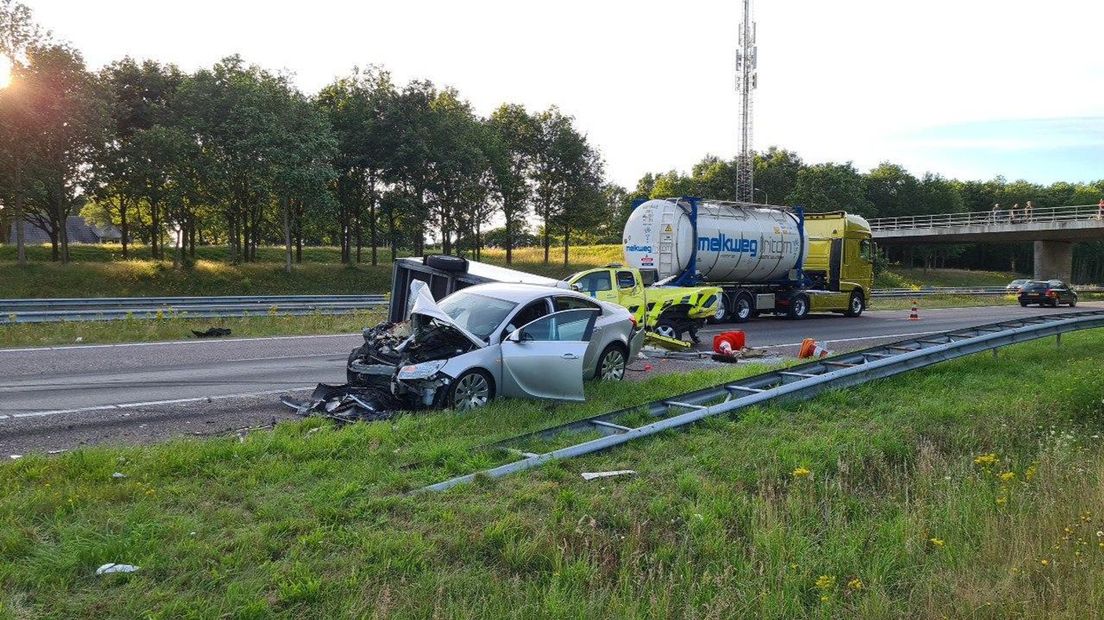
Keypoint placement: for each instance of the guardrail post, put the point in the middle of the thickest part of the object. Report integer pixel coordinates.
(1058, 341)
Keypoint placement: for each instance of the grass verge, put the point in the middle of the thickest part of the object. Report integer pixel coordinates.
(970, 489)
(176, 328)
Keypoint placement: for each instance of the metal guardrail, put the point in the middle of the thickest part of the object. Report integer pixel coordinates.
(801, 381)
(116, 308)
(929, 291)
(987, 218)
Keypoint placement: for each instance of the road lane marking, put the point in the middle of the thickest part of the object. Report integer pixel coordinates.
(151, 403)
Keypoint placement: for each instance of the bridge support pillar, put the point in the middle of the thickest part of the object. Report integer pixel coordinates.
(1053, 260)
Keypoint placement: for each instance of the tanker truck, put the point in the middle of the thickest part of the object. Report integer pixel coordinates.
(765, 259)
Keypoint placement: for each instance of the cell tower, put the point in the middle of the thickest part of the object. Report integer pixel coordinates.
(747, 79)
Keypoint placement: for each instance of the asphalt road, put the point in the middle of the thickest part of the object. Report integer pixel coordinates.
(63, 397)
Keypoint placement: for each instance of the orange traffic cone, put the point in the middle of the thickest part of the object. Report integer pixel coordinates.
(915, 314)
(812, 348)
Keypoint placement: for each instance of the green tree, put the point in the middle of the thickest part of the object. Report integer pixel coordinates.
(68, 119)
(511, 150)
(831, 187)
(18, 34)
(776, 173)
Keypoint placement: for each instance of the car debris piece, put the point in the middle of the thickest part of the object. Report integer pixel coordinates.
(212, 332)
(15, 457)
(111, 567)
(118, 475)
(591, 475)
(347, 403)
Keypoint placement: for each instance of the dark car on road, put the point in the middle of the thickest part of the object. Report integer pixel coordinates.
(1047, 293)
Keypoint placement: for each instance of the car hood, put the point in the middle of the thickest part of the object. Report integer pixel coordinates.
(425, 306)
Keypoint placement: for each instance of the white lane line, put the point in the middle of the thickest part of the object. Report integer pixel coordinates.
(151, 403)
(168, 342)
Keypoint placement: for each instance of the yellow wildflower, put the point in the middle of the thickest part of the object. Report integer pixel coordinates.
(1029, 473)
(824, 599)
(855, 584)
(801, 472)
(1044, 562)
(1002, 501)
(936, 542)
(987, 460)
(826, 582)
(1008, 476)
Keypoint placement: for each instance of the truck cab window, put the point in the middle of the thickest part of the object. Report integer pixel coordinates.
(595, 282)
(625, 279)
(866, 250)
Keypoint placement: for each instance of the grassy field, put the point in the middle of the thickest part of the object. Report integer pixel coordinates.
(900, 277)
(179, 328)
(99, 271)
(964, 490)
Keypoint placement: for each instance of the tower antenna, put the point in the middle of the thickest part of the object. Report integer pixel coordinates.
(747, 78)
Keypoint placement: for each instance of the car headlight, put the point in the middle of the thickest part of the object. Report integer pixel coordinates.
(424, 370)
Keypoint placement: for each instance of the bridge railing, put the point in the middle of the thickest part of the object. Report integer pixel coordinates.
(989, 218)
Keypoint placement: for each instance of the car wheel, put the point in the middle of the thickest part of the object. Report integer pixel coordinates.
(1073, 303)
(1023, 304)
(471, 390)
(855, 305)
(667, 328)
(611, 365)
(799, 307)
(741, 309)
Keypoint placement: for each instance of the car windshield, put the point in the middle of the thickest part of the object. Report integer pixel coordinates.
(478, 314)
(1035, 286)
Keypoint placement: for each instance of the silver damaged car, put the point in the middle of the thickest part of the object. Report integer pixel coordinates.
(491, 340)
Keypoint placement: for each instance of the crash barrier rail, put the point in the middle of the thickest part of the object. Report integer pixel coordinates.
(987, 218)
(115, 308)
(960, 290)
(802, 381)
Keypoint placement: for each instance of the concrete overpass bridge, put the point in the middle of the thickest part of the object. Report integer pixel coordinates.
(1054, 230)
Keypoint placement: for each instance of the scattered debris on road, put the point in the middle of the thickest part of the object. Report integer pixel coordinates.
(111, 568)
(212, 332)
(593, 475)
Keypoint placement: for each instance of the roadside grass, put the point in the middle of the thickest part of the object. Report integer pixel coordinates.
(969, 489)
(99, 271)
(901, 277)
(173, 327)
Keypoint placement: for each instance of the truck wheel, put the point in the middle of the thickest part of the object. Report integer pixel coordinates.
(721, 314)
(799, 307)
(741, 309)
(668, 328)
(855, 305)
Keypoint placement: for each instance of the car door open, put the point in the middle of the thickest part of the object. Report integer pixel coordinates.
(544, 359)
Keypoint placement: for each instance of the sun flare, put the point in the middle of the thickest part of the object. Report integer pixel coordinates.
(5, 71)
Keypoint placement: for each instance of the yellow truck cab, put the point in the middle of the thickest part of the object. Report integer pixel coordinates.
(840, 261)
(667, 310)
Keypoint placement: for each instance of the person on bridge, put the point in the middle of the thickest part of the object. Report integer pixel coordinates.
(1012, 213)
(995, 213)
(1100, 210)
(1028, 210)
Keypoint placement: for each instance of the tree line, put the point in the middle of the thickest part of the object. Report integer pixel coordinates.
(237, 155)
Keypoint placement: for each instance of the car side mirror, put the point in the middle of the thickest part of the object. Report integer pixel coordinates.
(515, 336)
(576, 287)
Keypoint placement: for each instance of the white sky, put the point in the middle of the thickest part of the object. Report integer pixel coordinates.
(652, 82)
